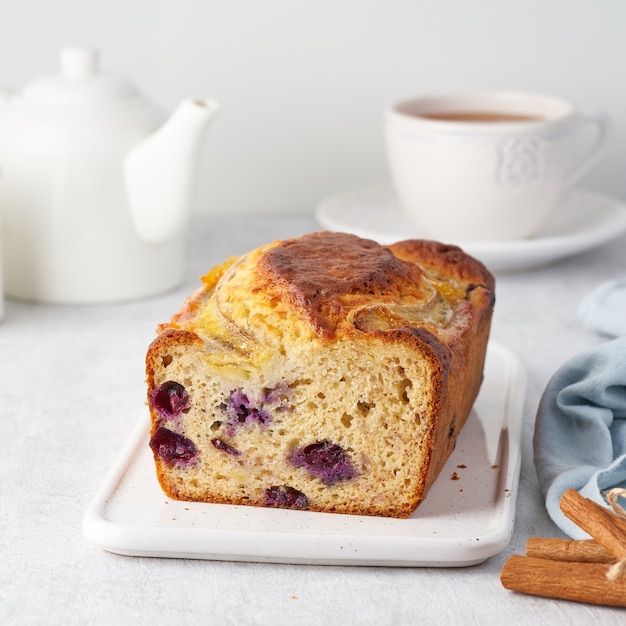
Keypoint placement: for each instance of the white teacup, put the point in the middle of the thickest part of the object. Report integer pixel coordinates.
(487, 166)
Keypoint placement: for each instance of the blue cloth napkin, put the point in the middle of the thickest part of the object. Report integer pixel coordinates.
(603, 310)
(580, 431)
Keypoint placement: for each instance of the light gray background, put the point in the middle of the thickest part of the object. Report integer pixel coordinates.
(303, 85)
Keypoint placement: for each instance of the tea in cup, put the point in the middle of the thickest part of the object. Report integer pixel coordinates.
(488, 166)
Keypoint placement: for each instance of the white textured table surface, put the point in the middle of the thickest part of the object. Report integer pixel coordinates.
(72, 385)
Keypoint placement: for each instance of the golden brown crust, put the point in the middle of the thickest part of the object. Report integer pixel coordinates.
(400, 511)
(465, 369)
(445, 259)
(326, 274)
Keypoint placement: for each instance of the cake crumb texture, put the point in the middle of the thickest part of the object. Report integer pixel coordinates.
(324, 373)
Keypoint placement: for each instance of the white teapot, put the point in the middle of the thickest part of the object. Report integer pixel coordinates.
(96, 186)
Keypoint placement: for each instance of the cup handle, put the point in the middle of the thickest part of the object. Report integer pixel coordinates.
(602, 123)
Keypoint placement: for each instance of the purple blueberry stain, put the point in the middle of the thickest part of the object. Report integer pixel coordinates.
(285, 496)
(325, 460)
(170, 399)
(242, 411)
(276, 396)
(225, 447)
(173, 448)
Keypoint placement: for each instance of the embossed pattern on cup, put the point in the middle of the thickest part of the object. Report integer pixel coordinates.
(521, 161)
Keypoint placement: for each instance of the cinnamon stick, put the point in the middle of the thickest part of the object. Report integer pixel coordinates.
(580, 582)
(581, 551)
(604, 526)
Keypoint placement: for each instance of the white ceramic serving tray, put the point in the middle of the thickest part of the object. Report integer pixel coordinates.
(467, 516)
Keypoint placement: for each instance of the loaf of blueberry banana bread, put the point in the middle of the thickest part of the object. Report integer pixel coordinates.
(326, 373)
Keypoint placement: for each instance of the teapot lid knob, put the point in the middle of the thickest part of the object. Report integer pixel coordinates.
(79, 82)
(78, 63)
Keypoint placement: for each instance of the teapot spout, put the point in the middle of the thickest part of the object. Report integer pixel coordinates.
(160, 172)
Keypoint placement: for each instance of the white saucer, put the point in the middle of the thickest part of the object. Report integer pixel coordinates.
(584, 221)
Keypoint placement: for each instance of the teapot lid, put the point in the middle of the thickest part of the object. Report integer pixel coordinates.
(80, 82)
